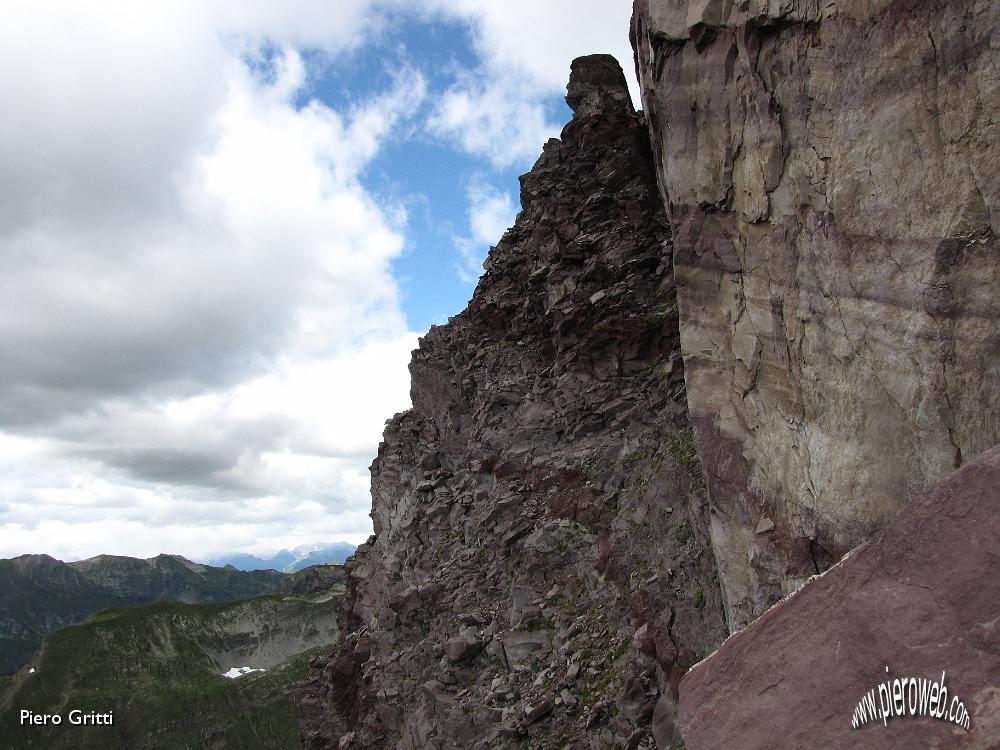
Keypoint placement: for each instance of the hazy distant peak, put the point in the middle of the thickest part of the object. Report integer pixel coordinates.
(289, 561)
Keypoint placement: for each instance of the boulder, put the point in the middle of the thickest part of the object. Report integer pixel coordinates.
(463, 646)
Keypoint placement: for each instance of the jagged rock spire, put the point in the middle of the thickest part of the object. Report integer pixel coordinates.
(548, 440)
(597, 86)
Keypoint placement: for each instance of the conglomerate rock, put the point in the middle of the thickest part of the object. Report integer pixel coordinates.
(832, 176)
(921, 599)
(540, 573)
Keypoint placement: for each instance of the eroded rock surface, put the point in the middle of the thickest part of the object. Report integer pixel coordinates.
(832, 176)
(921, 597)
(540, 573)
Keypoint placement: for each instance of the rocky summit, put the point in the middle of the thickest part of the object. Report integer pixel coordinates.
(727, 341)
(540, 570)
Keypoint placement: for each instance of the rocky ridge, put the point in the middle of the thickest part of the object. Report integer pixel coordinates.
(813, 332)
(540, 574)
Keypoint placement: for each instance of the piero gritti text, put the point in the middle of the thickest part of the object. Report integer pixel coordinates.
(74, 718)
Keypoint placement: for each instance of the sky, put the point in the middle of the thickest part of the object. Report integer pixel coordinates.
(224, 224)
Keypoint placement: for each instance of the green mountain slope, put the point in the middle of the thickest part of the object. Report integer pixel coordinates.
(159, 670)
(39, 594)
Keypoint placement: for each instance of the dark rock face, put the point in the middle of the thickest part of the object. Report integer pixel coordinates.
(595, 87)
(540, 569)
(311, 580)
(832, 176)
(921, 597)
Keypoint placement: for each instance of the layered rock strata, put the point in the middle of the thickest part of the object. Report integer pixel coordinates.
(832, 175)
(920, 599)
(540, 573)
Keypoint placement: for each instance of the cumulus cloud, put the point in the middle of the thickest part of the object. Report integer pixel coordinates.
(498, 111)
(201, 329)
(491, 212)
(202, 335)
(502, 120)
(540, 39)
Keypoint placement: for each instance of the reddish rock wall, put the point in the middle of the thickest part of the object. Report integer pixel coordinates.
(921, 597)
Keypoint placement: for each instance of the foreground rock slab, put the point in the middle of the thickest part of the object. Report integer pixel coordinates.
(922, 597)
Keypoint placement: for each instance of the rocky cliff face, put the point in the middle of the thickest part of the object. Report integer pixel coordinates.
(815, 330)
(540, 570)
(832, 174)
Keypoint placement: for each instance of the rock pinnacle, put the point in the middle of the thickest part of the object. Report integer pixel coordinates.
(597, 86)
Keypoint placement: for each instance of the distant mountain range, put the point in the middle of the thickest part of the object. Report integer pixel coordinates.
(179, 675)
(39, 594)
(290, 561)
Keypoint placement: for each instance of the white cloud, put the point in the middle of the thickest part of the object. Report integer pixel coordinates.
(274, 461)
(526, 48)
(202, 334)
(502, 120)
(538, 40)
(297, 23)
(491, 212)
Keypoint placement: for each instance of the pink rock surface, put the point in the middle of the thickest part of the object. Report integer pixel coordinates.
(921, 597)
